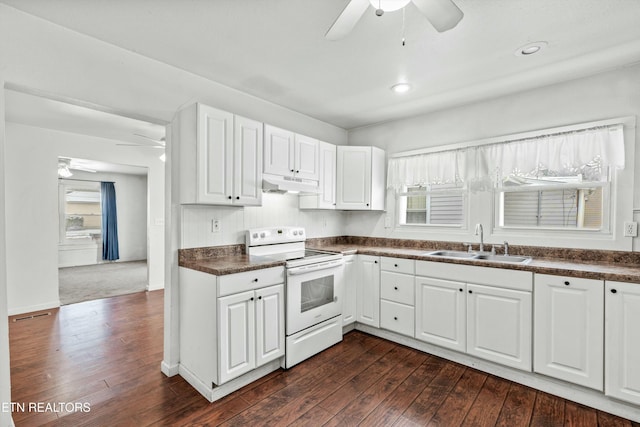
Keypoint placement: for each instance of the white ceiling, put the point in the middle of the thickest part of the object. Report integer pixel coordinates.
(276, 49)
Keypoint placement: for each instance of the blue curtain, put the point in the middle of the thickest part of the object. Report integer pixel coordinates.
(110, 250)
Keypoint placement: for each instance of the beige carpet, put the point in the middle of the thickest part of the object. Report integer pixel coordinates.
(101, 281)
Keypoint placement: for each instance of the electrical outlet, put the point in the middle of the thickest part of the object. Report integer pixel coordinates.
(630, 229)
(216, 225)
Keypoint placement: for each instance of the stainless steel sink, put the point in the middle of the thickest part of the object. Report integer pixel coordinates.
(473, 256)
(452, 254)
(503, 258)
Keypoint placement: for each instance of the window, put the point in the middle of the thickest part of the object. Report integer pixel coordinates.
(436, 204)
(80, 212)
(563, 203)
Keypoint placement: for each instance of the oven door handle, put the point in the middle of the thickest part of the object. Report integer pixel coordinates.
(315, 267)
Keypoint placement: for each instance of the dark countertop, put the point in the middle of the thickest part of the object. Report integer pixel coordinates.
(588, 270)
(229, 260)
(230, 264)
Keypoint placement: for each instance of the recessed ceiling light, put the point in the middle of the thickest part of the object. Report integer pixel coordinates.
(530, 48)
(401, 87)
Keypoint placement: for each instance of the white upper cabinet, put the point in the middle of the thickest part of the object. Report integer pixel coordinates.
(326, 199)
(360, 178)
(220, 160)
(290, 154)
(278, 151)
(568, 329)
(622, 337)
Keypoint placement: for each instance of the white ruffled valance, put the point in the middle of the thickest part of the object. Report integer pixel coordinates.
(589, 153)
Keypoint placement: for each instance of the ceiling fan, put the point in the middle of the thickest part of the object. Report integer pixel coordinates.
(443, 14)
(159, 143)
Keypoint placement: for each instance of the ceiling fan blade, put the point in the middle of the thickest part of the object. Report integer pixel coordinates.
(347, 19)
(443, 14)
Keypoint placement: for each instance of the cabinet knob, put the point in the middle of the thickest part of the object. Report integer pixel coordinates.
(613, 291)
(395, 318)
(395, 287)
(367, 204)
(297, 171)
(567, 283)
(229, 197)
(395, 265)
(291, 170)
(255, 280)
(470, 291)
(260, 297)
(460, 289)
(237, 197)
(252, 298)
(375, 262)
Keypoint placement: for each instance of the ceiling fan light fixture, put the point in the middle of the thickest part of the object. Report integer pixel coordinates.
(401, 87)
(530, 48)
(389, 5)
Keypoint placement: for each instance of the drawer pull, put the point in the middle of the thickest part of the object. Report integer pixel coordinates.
(395, 265)
(567, 283)
(255, 280)
(395, 287)
(470, 291)
(260, 297)
(251, 299)
(395, 318)
(460, 289)
(613, 291)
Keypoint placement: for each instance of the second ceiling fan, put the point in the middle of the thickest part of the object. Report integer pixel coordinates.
(443, 14)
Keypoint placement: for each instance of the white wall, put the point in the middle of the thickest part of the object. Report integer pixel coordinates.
(603, 96)
(32, 209)
(276, 210)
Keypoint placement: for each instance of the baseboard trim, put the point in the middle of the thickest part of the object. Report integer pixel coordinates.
(32, 308)
(575, 393)
(155, 287)
(215, 393)
(169, 370)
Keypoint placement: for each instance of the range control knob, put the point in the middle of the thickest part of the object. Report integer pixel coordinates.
(255, 235)
(301, 232)
(262, 234)
(295, 232)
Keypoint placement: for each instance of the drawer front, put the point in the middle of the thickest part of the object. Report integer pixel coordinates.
(398, 265)
(397, 287)
(397, 317)
(249, 280)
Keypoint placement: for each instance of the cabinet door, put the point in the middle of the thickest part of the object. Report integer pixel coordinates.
(568, 330)
(354, 178)
(214, 152)
(622, 334)
(441, 312)
(350, 283)
(269, 324)
(368, 291)
(278, 151)
(247, 162)
(306, 157)
(327, 196)
(237, 353)
(499, 325)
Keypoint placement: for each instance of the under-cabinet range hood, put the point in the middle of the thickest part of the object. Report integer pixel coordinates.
(288, 184)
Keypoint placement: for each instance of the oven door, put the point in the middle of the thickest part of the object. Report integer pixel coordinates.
(314, 294)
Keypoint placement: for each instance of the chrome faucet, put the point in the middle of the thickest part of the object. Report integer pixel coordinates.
(480, 232)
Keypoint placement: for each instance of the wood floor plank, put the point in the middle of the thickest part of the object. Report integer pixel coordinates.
(518, 406)
(486, 408)
(390, 409)
(107, 353)
(548, 410)
(579, 415)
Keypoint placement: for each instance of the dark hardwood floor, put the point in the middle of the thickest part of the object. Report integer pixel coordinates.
(107, 354)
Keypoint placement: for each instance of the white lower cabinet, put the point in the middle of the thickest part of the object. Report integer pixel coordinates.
(350, 277)
(483, 311)
(442, 315)
(368, 291)
(397, 297)
(568, 330)
(622, 337)
(499, 325)
(229, 325)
